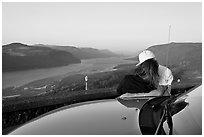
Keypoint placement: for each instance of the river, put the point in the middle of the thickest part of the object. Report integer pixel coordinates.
(19, 78)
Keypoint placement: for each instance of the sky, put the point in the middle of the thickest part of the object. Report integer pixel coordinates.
(123, 27)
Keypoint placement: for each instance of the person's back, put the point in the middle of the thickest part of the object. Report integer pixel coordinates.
(134, 84)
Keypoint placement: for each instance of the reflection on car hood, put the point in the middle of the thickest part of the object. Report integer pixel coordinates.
(94, 117)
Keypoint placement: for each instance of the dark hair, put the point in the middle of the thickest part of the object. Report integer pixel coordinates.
(148, 71)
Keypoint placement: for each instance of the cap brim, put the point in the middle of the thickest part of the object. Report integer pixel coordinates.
(143, 61)
(138, 64)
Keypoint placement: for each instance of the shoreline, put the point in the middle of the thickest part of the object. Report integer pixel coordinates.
(15, 79)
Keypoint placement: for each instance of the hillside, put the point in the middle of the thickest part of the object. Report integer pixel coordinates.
(178, 54)
(184, 59)
(82, 53)
(17, 56)
(185, 54)
(92, 53)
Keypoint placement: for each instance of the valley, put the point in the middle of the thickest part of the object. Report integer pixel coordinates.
(47, 89)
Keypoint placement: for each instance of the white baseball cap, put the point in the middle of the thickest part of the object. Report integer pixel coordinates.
(145, 55)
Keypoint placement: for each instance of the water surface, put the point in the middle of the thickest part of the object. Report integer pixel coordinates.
(18, 78)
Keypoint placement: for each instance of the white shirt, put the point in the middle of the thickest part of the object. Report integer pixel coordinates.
(165, 76)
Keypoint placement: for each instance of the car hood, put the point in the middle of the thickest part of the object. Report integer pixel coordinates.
(113, 116)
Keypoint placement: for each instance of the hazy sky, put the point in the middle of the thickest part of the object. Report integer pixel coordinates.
(126, 27)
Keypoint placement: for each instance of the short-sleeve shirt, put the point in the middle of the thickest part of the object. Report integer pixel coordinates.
(165, 76)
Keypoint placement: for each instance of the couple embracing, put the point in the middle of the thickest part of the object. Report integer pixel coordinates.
(150, 78)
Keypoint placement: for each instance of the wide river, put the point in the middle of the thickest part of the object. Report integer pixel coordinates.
(18, 78)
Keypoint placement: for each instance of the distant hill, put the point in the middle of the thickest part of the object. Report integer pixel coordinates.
(83, 53)
(184, 59)
(185, 54)
(178, 54)
(17, 56)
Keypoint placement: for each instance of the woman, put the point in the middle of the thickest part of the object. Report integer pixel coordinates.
(147, 78)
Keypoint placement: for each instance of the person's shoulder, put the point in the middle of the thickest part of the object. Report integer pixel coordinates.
(166, 76)
(164, 69)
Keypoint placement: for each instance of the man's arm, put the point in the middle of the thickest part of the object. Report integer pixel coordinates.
(169, 90)
(165, 90)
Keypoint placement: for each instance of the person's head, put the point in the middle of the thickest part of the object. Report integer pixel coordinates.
(148, 67)
(145, 55)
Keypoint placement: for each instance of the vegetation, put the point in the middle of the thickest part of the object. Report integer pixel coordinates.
(18, 110)
(17, 56)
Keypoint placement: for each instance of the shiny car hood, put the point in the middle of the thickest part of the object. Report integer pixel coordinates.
(111, 117)
(189, 120)
(95, 117)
